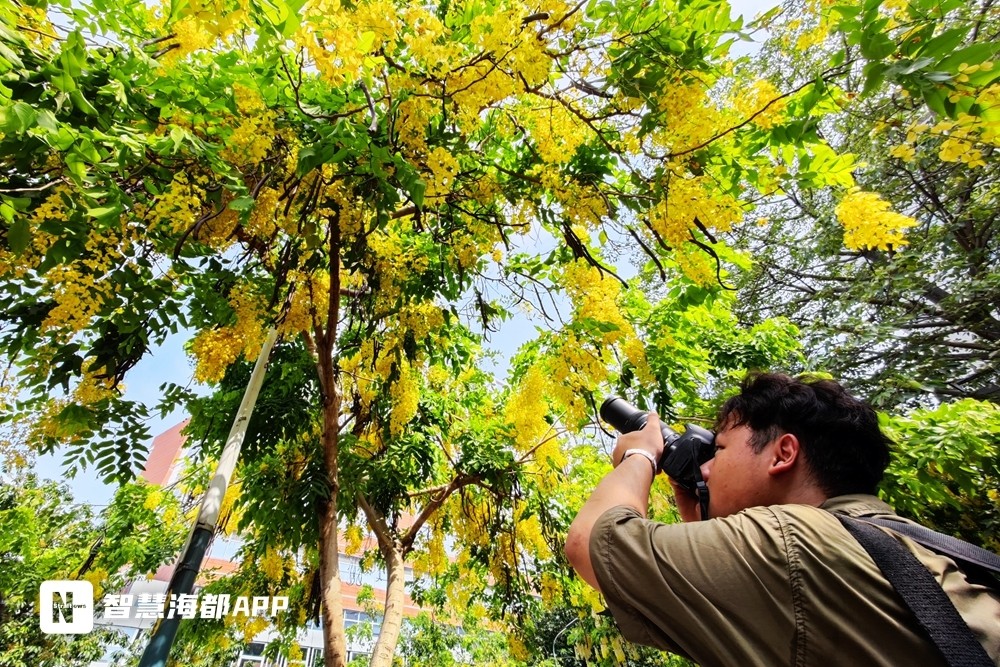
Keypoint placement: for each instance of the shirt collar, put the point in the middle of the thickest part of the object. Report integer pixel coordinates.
(856, 504)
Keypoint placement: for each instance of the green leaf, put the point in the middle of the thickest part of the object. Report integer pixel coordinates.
(934, 99)
(242, 204)
(874, 73)
(17, 118)
(877, 45)
(944, 43)
(19, 235)
(105, 213)
(81, 103)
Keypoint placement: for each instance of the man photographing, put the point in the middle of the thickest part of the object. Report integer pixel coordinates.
(772, 577)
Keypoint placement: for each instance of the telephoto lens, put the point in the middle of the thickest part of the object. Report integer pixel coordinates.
(627, 418)
(682, 454)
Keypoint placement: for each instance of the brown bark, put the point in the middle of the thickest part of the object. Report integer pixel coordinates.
(395, 590)
(334, 639)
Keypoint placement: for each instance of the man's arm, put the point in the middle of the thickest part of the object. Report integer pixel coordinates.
(628, 484)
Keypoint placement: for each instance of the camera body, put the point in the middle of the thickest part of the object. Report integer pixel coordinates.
(683, 454)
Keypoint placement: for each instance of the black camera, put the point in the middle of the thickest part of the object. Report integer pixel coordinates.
(682, 456)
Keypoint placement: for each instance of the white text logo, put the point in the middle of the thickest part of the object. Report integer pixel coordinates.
(66, 607)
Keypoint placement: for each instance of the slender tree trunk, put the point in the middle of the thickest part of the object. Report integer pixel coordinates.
(395, 599)
(334, 640)
(393, 552)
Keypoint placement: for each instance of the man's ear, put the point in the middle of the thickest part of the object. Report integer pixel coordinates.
(785, 452)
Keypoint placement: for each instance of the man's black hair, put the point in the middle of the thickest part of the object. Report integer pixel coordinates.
(843, 445)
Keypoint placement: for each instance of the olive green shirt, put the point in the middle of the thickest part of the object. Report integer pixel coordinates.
(769, 586)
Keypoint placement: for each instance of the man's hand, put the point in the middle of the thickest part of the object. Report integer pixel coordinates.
(649, 438)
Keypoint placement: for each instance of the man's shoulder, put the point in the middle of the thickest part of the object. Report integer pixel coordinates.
(855, 505)
(799, 522)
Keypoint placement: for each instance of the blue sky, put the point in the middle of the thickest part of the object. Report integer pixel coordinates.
(166, 363)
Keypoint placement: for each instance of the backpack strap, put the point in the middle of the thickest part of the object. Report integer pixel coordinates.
(962, 552)
(922, 594)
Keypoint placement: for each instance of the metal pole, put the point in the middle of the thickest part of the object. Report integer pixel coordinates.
(183, 580)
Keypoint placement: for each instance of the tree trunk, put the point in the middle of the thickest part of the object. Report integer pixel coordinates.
(395, 599)
(395, 591)
(334, 640)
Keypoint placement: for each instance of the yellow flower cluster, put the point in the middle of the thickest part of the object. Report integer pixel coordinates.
(556, 131)
(523, 411)
(92, 389)
(353, 539)
(97, 578)
(352, 213)
(53, 208)
(40, 31)
(272, 565)
(250, 140)
(959, 146)
(80, 289)
(215, 349)
(635, 352)
(261, 222)
(595, 296)
(551, 588)
(310, 294)
(391, 264)
(811, 38)
(229, 514)
(433, 559)
(343, 40)
(989, 100)
(444, 172)
(179, 207)
(479, 85)
(405, 393)
(153, 499)
(683, 129)
(422, 319)
(201, 23)
(548, 466)
(517, 648)
(356, 371)
(904, 152)
(761, 99)
(870, 223)
(253, 627)
(583, 206)
(529, 531)
(469, 520)
(413, 117)
(424, 40)
(190, 35)
(690, 198)
(696, 265)
(575, 369)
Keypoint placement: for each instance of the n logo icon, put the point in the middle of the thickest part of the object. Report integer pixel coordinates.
(66, 607)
